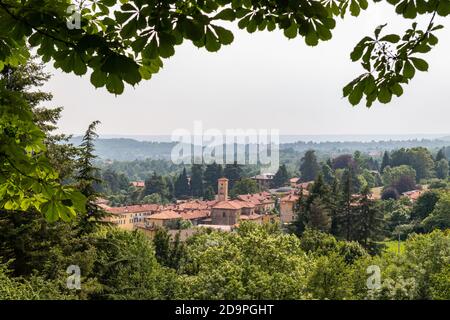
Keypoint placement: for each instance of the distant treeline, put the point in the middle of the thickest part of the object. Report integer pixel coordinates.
(121, 149)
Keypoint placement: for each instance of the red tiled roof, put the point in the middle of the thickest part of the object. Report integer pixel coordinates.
(229, 205)
(414, 194)
(192, 205)
(196, 214)
(165, 215)
(133, 209)
(138, 184)
(290, 198)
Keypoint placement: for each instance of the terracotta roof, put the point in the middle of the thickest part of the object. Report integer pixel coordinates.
(414, 194)
(133, 209)
(246, 204)
(257, 198)
(304, 185)
(192, 205)
(229, 205)
(290, 198)
(165, 215)
(138, 184)
(294, 180)
(196, 214)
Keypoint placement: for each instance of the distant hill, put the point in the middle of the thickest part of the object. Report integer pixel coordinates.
(126, 149)
(129, 149)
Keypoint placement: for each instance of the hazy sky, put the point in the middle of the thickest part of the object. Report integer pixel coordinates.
(263, 80)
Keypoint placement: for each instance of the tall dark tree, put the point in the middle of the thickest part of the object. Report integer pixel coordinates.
(441, 155)
(301, 216)
(182, 188)
(113, 182)
(385, 162)
(314, 211)
(156, 184)
(333, 202)
(328, 174)
(346, 214)
(368, 221)
(442, 169)
(319, 216)
(209, 193)
(281, 177)
(197, 184)
(213, 172)
(87, 176)
(309, 166)
(233, 172)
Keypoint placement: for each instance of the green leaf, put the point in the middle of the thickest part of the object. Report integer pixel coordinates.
(98, 78)
(193, 30)
(354, 8)
(443, 8)
(225, 36)
(151, 50)
(292, 31)
(166, 45)
(408, 70)
(226, 14)
(378, 30)
(420, 64)
(397, 89)
(311, 38)
(384, 95)
(393, 38)
(114, 84)
(356, 95)
(79, 67)
(129, 30)
(212, 44)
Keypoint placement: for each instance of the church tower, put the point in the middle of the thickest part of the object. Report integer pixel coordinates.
(222, 194)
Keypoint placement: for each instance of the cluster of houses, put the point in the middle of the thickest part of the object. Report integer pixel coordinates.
(222, 213)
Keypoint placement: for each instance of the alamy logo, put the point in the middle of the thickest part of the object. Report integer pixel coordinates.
(244, 147)
(74, 280)
(74, 19)
(374, 280)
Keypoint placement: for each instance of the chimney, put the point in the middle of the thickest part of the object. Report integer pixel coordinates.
(222, 194)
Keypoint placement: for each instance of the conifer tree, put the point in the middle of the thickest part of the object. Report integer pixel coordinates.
(182, 188)
(385, 162)
(87, 177)
(441, 155)
(281, 177)
(233, 172)
(345, 215)
(368, 220)
(197, 185)
(309, 167)
(213, 172)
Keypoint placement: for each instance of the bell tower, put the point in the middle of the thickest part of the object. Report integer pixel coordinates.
(222, 190)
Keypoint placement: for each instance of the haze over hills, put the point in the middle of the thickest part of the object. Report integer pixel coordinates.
(131, 148)
(291, 138)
